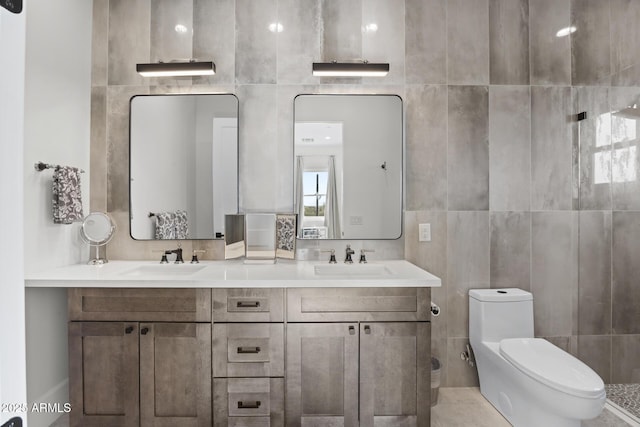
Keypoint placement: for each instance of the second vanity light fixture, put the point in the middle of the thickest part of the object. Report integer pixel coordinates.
(177, 69)
(350, 69)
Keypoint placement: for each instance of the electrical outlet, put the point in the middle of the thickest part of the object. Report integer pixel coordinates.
(355, 220)
(424, 232)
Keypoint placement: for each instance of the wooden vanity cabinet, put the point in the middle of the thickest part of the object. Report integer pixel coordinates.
(248, 357)
(137, 371)
(357, 370)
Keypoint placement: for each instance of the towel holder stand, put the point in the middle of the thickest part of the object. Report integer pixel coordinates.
(40, 166)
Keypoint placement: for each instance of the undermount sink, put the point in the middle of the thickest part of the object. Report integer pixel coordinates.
(171, 270)
(351, 270)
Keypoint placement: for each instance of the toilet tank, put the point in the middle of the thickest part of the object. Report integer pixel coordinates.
(496, 314)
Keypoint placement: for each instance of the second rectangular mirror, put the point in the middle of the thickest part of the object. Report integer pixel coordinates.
(348, 166)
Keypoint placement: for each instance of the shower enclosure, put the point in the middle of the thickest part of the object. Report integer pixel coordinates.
(607, 200)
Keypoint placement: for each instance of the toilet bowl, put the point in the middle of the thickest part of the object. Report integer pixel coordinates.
(529, 380)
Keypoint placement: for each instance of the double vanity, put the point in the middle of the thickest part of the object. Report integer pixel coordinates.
(223, 343)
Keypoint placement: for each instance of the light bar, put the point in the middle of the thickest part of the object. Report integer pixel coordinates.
(177, 69)
(350, 69)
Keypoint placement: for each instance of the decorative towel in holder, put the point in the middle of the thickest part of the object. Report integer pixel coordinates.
(67, 195)
(172, 225)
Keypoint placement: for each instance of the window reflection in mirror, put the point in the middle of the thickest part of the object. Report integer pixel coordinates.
(183, 164)
(348, 166)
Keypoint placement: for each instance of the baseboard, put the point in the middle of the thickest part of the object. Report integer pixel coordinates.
(59, 394)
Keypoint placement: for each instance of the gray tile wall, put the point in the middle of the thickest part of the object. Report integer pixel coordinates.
(492, 159)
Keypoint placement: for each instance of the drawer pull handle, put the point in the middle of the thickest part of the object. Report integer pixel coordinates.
(352, 330)
(128, 329)
(246, 350)
(367, 329)
(248, 304)
(249, 405)
(144, 331)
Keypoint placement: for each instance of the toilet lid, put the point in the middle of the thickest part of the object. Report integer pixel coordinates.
(552, 366)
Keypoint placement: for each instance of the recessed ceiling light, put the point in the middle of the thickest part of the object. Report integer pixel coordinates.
(370, 28)
(276, 27)
(563, 32)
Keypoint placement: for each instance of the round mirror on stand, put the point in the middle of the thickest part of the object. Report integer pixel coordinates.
(97, 230)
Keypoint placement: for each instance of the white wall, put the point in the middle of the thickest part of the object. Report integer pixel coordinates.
(57, 120)
(56, 130)
(12, 327)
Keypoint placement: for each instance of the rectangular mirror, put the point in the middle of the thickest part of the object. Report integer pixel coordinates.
(183, 165)
(348, 166)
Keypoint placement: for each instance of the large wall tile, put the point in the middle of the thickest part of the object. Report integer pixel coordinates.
(255, 43)
(341, 30)
(625, 161)
(468, 148)
(468, 42)
(386, 44)
(550, 56)
(129, 40)
(626, 365)
(511, 250)
(467, 265)
(594, 279)
(510, 148)
(431, 256)
(259, 158)
(426, 148)
(626, 270)
(214, 38)
(554, 272)
(300, 42)
(625, 42)
(590, 44)
(98, 177)
(426, 41)
(509, 42)
(100, 43)
(595, 351)
(118, 145)
(551, 148)
(167, 42)
(595, 148)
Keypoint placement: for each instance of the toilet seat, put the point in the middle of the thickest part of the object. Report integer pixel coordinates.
(552, 366)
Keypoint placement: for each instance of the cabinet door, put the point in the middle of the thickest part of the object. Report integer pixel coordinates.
(175, 374)
(394, 374)
(322, 374)
(103, 374)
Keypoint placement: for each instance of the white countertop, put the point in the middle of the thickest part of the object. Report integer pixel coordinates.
(235, 274)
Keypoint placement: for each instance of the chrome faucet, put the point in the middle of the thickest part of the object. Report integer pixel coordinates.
(349, 252)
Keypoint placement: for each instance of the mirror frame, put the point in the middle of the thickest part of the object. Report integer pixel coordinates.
(402, 162)
(237, 156)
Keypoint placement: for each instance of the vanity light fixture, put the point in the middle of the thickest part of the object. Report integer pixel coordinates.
(177, 69)
(350, 69)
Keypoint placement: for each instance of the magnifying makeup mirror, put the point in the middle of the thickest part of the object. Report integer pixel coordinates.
(97, 230)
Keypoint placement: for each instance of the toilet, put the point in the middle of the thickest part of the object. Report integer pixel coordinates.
(529, 380)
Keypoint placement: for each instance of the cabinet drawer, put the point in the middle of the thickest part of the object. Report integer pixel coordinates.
(170, 305)
(248, 350)
(248, 305)
(357, 304)
(248, 402)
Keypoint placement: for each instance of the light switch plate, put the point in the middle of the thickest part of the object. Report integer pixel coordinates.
(424, 232)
